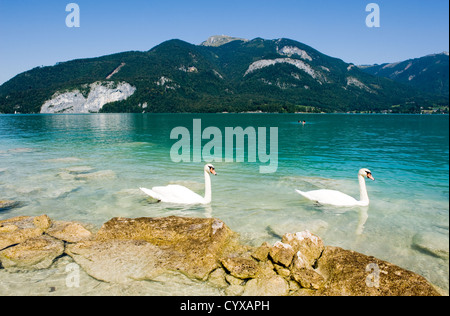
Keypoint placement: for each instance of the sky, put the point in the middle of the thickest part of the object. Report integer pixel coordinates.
(34, 32)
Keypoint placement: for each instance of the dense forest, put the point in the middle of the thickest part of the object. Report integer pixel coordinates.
(176, 76)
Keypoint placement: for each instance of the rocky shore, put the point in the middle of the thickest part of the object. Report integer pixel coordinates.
(205, 249)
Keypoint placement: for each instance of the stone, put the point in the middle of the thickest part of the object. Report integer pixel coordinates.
(317, 227)
(218, 278)
(433, 243)
(43, 222)
(71, 232)
(119, 261)
(262, 252)
(99, 175)
(241, 268)
(310, 245)
(308, 278)
(267, 286)
(282, 271)
(192, 246)
(282, 253)
(234, 290)
(17, 230)
(34, 253)
(78, 169)
(233, 280)
(349, 273)
(8, 204)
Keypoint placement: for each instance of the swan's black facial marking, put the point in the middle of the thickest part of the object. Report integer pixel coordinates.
(212, 170)
(369, 175)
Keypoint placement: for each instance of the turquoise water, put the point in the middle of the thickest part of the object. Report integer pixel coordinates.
(89, 168)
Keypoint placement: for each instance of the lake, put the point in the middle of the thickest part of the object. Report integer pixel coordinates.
(89, 168)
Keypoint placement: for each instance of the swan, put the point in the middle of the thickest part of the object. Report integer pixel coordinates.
(336, 198)
(181, 195)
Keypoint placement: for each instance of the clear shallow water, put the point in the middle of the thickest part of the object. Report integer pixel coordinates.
(89, 168)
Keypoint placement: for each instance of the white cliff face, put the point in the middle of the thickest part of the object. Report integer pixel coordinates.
(292, 50)
(351, 81)
(270, 62)
(100, 94)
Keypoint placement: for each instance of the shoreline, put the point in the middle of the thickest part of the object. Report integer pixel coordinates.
(205, 251)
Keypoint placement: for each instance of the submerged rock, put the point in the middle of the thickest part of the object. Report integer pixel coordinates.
(99, 175)
(433, 243)
(8, 204)
(192, 246)
(34, 253)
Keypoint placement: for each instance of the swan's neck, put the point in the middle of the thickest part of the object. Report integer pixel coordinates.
(363, 196)
(208, 194)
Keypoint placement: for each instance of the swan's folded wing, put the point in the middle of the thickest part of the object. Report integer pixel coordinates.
(177, 194)
(151, 193)
(329, 197)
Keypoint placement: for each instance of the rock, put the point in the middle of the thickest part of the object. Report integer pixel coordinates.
(103, 174)
(71, 232)
(125, 250)
(309, 245)
(308, 278)
(315, 226)
(62, 192)
(282, 271)
(282, 253)
(233, 280)
(8, 204)
(433, 243)
(234, 290)
(100, 93)
(262, 252)
(303, 272)
(350, 273)
(217, 278)
(267, 286)
(34, 253)
(78, 169)
(17, 230)
(241, 268)
(43, 222)
(119, 261)
(64, 160)
(192, 246)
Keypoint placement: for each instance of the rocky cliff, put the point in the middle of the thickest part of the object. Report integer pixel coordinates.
(100, 93)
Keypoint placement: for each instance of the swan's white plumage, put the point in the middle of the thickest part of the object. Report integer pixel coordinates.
(181, 195)
(329, 197)
(336, 198)
(174, 194)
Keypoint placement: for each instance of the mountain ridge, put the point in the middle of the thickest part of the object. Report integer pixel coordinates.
(280, 75)
(429, 73)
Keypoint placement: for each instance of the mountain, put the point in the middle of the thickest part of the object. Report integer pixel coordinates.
(429, 73)
(219, 40)
(222, 74)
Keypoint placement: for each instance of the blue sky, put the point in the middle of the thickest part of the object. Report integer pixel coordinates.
(34, 32)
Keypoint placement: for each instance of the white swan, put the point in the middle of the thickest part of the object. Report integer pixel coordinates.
(337, 198)
(182, 195)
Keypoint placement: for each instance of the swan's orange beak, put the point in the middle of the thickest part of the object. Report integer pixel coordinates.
(213, 171)
(369, 175)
